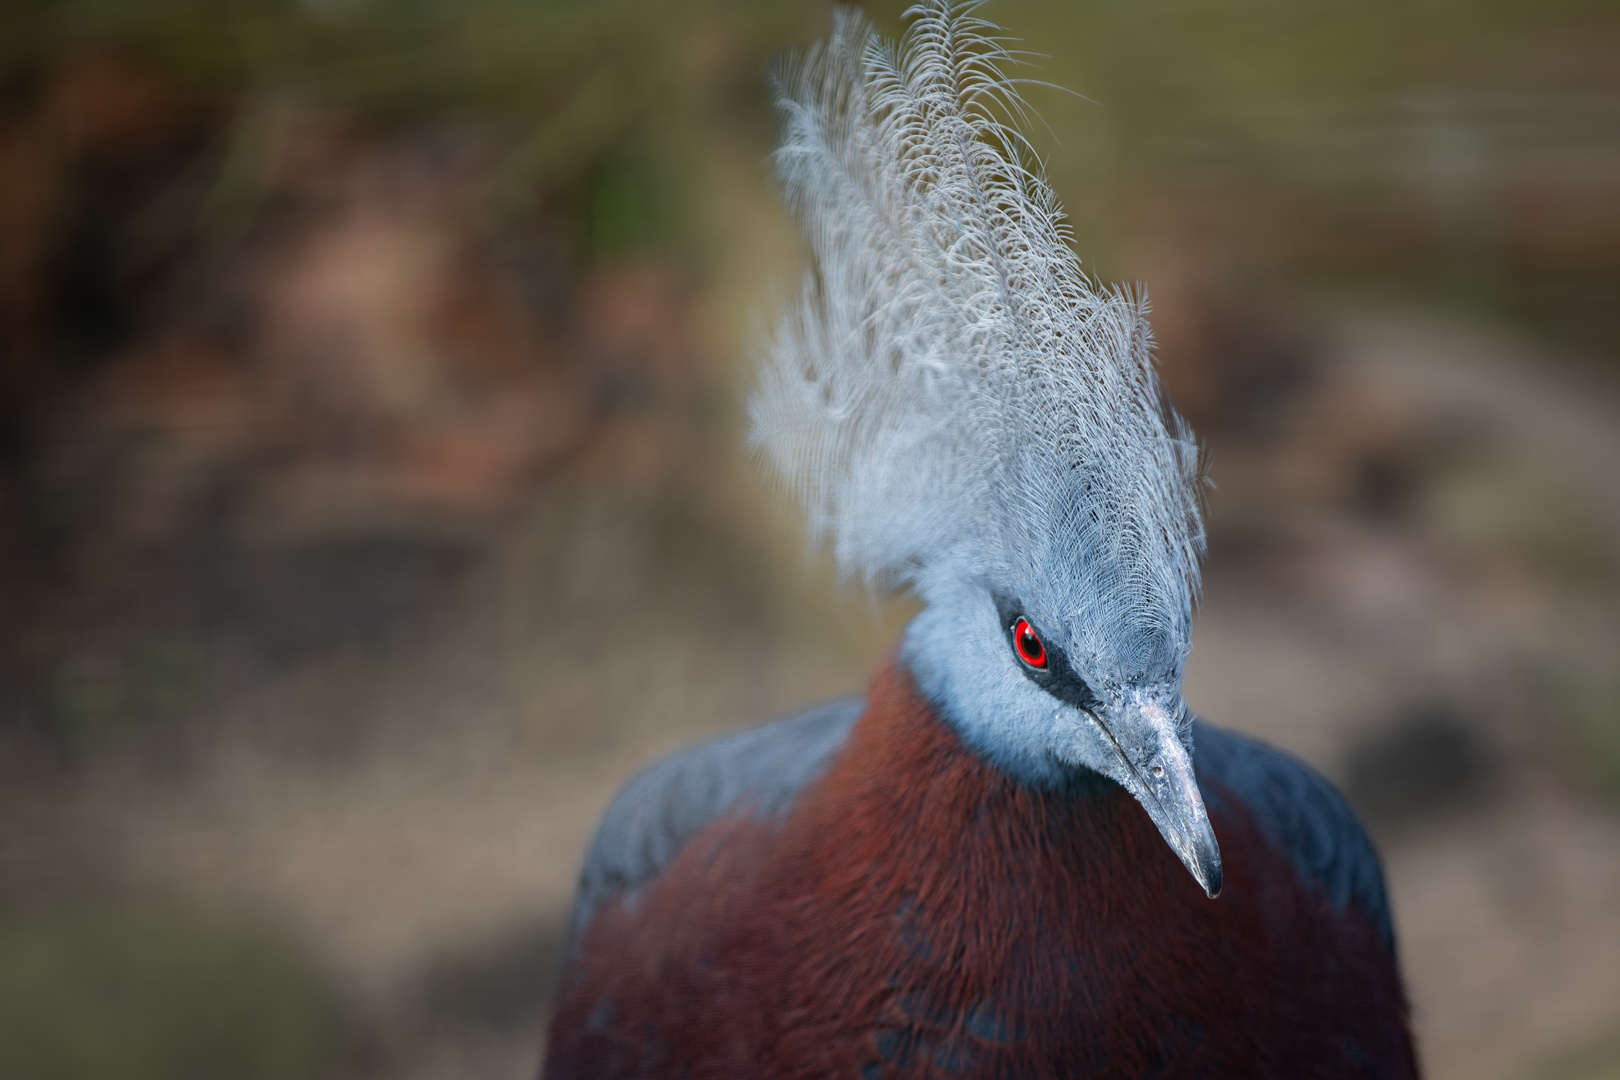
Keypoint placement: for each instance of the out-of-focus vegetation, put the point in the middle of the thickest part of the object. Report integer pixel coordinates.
(1462, 148)
(600, 105)
(146, 992)
(1598, 1062)
(1460, 153)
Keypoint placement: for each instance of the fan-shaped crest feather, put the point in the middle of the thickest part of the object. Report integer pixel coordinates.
(951, 392)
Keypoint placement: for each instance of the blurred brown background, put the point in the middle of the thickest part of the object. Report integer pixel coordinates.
(372, 500)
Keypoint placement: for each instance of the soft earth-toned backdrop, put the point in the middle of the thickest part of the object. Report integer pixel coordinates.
(372, 497)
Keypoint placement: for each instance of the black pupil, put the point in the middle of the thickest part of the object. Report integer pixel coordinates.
(1029, 644)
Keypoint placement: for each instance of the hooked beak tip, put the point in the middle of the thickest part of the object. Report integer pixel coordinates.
(1198, 851)
(1210, 879)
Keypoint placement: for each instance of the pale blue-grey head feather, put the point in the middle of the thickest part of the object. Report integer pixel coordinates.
(952, 394)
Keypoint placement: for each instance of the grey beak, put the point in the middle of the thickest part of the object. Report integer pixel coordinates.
(1159, 772)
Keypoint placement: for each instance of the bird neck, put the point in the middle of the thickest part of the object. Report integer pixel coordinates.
(944, 652)
(914, 778)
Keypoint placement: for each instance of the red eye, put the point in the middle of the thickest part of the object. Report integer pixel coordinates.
(1028, 645)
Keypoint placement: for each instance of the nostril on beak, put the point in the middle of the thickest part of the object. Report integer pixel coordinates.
(1158, 770)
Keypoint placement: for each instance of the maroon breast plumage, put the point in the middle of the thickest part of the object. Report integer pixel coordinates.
(918, 914)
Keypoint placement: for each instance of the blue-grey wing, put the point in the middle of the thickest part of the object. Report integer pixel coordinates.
(760, 771)
(1302, 813)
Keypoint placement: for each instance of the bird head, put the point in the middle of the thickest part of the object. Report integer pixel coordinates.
(1053, 687)
(963, 412)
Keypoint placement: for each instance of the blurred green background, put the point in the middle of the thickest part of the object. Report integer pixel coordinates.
(372, 500)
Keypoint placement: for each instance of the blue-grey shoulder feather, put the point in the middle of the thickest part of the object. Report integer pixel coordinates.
(1301, 812)
(760, 771)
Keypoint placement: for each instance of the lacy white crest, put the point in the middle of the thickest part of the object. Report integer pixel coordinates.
(951, 392)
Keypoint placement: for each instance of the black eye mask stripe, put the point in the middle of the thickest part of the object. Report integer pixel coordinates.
(1057, 677)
